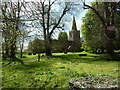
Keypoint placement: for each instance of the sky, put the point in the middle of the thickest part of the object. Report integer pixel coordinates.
(51, 0)
(78, 19)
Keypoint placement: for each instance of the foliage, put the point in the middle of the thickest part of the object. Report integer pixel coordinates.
(36, 46)
(63, 36)
(61, 44)
(10, 31)
(13, 29)
(29, 53)
(94, 32)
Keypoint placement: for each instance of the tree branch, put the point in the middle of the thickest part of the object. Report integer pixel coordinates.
(64, 12)
(97, 13)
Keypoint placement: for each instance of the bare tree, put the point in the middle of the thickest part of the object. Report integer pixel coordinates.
(43, 11)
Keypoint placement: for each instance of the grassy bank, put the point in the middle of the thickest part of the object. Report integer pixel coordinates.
(57, 71)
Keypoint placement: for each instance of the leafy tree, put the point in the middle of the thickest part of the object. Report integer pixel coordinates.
(10, 31)
(13, 17)
(107, 18)
(62, 39)
(63, 36)
(93, 31)
(21, 40)
(36, 46)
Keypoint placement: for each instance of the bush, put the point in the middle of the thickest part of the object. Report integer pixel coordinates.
(29, 53)
(65, 52)
(24, 57)
(43, 55)
(34, 53)
(81, 50)
(60, 51)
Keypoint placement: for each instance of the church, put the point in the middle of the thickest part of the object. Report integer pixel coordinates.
(73, 44)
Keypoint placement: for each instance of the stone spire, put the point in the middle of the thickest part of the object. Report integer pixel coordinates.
(74, 26)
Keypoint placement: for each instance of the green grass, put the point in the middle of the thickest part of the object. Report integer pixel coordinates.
(57, 71)
(26, 58)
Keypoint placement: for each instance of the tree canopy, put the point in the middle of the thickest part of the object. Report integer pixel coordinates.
(62, 36)
(93, 30)
(36, 46)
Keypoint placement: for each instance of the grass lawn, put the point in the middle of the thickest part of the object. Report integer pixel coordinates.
(26, 58)
(57, 71)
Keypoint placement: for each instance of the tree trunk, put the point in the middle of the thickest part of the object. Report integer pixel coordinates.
(109, 43)
(102, 51)
(6, 49)
(48, 52)
(21, 49)
(38, 56)
(12, 51)
(3, 51)
(21, 53)
(6, 52)
(110, 48)
(48, 47)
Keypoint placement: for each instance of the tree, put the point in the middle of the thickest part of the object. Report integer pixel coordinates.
(63, 41)
(118, 26)
(108, 19)
(63, 36)
(93, 31)
(10, 31)
(49, 19)
(21, 40)
(13, 17)
(36, 46)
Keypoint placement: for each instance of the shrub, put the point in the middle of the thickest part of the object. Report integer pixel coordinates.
(34, 53)
(29, 53)
(81, 50)
(60, 51)
(65, 52)
(43, 55)
(24, 57)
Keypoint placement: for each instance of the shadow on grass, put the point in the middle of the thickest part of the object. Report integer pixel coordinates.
(84, 59)
(31, 65)
(11, 60)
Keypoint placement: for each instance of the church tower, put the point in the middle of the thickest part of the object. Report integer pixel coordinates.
(74, 35)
